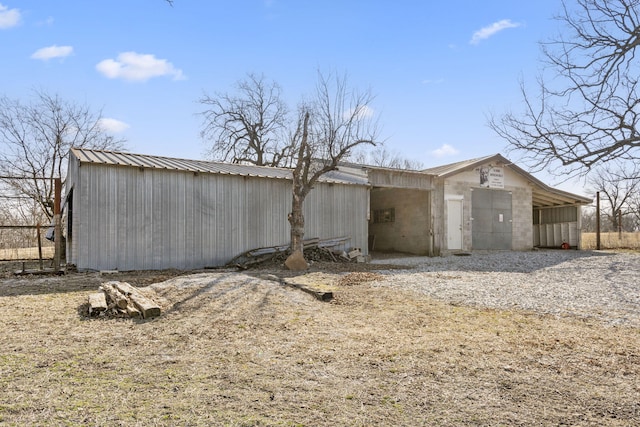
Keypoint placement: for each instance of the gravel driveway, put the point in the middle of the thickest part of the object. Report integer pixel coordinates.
(590, 284)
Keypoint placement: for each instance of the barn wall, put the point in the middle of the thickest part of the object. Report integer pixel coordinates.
(438, 218)
(70, 184)
(333, 210)
(410, 229)
(522, 218)
(522, 226)
(128, 218)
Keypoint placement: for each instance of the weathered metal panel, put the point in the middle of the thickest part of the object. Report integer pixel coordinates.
(130, 218)
(555, 214)
(338, 211)
(72, 176)
(554, 235)
(400, 179)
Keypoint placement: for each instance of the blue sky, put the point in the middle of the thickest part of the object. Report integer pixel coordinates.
(436, 68)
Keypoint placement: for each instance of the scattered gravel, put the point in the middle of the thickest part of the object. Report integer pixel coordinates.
(590, 284)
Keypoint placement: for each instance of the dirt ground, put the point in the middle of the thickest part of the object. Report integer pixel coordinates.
(233, 348)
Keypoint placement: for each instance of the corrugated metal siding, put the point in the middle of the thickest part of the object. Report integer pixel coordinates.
(400, 179)
(72, 175)
(127, 218)
(555, 215)
(554, 235)
(338, 211)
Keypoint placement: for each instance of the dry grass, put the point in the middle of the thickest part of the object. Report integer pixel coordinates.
(26, 253)
(241, 351)
(612, 240)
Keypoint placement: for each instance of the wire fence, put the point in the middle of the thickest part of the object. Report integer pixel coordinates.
(23, 231)
(24, 242)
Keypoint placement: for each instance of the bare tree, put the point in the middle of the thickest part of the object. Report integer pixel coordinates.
(35, 139)
(254, 126)
(585, 113)
(327, 131)
(248, 127)
(634, 211)
(386, 158)
(588, 219)
(618, 187)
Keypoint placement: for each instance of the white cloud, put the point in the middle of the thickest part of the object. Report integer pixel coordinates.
(50, 52)
(488, 31)
(9, 17)
(113, 125)
(138, 67)
(445, 151)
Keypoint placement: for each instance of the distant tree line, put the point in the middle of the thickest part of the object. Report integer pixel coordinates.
(619, 190)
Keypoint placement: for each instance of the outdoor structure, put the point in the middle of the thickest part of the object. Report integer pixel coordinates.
(487, 203)
(134, 212)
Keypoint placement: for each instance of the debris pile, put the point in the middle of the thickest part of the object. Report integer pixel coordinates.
(120, 299)
(330, 250)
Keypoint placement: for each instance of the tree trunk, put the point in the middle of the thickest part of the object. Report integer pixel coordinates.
(296, 219)
(296, 261)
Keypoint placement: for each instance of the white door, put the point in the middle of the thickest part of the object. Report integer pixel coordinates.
(454, 224)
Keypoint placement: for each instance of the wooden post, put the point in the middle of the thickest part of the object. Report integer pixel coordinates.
(598, 220)
(39, 245)
(57, 224)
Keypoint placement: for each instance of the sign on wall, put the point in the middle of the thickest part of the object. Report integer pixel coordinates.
(491, 176)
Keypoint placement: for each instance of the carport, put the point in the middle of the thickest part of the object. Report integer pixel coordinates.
(556, 217)
(400, 211)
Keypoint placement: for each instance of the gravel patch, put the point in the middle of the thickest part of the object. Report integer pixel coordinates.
(590, 284)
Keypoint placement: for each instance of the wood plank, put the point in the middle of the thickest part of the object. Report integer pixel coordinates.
(113, 295)
(147, 307)
(97, 303)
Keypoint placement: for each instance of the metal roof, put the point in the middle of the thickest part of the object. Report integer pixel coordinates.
(114, 158)
(542, 194)
(455, 168)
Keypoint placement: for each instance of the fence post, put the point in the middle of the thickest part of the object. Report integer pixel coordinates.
(598, 220)
(39, 245)
(57, 224)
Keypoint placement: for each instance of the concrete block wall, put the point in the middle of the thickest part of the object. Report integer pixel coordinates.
(410, 231)
(522, 231)
(522, 209)
(438, 218)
